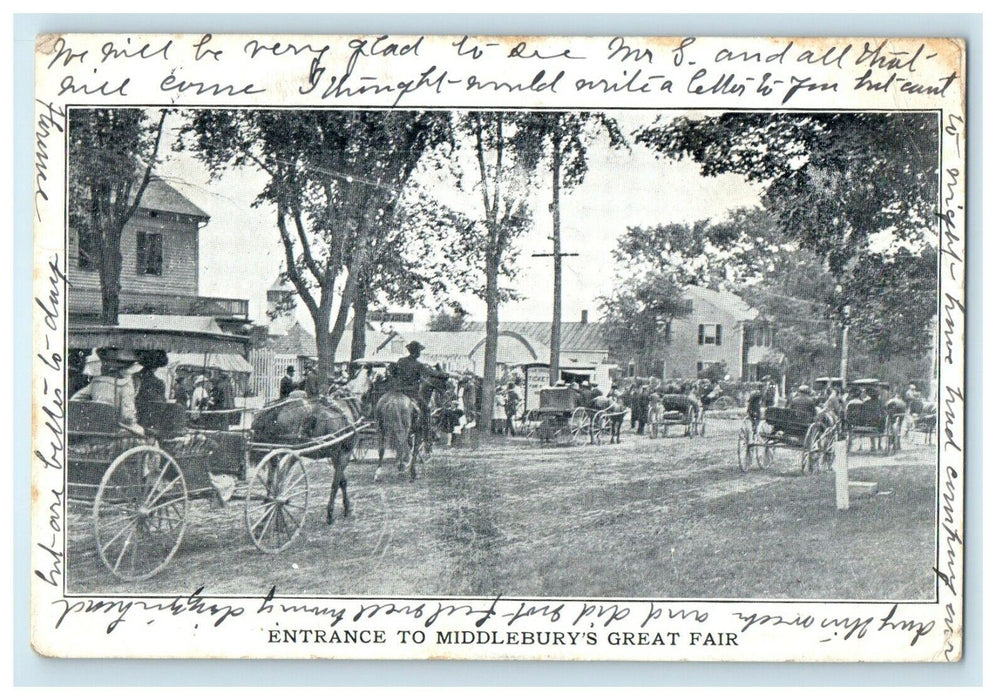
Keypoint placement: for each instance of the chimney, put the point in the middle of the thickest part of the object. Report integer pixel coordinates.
(585, 316)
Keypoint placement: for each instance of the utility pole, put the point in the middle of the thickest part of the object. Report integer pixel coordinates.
(555, 324)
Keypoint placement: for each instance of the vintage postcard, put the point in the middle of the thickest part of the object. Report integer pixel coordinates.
(435, 347)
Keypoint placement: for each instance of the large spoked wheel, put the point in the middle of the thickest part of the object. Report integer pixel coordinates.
(746, 451)
(810, 448)
(139, 513)
(602, 428)
(827, 449)
(276, 503)
(580, 426)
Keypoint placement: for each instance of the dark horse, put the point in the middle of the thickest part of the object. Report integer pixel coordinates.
(398, 418)
(294, 421)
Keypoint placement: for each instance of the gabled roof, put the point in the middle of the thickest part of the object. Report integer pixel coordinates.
(730, 303)
(281, 285)
(296, 340)
(575, 336)
(159, 196)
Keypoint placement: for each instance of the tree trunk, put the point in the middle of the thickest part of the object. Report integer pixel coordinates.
(491, 340)
(555, 207)
(110, 275)
(360, 309)
(325, 350)
(341, 320)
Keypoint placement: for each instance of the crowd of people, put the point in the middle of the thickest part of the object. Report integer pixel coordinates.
(131, 382)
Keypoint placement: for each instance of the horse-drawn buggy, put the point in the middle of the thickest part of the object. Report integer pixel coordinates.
(139, 477)
(677, 409)
(812, 434)
(869, 417)
(562, 418)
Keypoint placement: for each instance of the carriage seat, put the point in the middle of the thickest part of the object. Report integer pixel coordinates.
(867, 414)
(164, 419)
(92, 417)
(786, 418)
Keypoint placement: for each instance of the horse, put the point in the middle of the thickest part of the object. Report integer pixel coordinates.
(398, 418)
(295, 420)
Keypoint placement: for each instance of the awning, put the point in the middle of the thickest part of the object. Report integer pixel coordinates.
(156, 338)
(226, 362)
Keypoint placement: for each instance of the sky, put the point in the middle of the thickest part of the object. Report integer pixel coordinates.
(240, 251)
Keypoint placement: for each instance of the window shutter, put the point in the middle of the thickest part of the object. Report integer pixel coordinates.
(717, 337)
(140, 252)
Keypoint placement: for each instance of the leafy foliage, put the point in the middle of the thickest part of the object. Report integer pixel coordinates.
(833, 180)
(112, 156)
(846, 234)
(335, 179)
(638, 317)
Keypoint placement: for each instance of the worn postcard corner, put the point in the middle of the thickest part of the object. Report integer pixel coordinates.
(425, 347)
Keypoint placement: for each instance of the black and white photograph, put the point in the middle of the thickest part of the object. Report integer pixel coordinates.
(581, 374)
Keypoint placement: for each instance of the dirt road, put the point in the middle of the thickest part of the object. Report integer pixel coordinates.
(666, 518)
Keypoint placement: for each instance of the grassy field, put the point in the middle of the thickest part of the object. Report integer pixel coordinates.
(667, 518)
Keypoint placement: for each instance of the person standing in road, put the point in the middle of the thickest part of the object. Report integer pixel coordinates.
(286, 384)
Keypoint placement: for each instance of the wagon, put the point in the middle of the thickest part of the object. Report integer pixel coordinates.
(562, 419)
(140, 487)
(870, 420)
(813, 436)
(681, 409)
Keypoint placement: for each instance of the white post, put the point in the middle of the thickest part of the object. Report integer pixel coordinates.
(842, 469)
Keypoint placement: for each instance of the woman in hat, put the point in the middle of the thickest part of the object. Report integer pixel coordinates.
(115, 387)
(201, 398)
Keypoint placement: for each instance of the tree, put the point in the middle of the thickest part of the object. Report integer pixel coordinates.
(503, 154)
(448, 320)
(335, 179)
(833, 180)
(856, 193)
(564, 137)
(639, 315)
(112, 156)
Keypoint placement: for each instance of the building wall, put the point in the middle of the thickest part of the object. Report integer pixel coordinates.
(180, 258)
(684, 352)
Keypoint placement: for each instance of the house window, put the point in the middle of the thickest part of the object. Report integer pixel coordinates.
(87, 250)
(709, 334)
(149, 253)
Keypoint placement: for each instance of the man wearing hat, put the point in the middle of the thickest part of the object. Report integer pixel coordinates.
(115, 386)
(803, 403)
(409, 373)
(286, 384)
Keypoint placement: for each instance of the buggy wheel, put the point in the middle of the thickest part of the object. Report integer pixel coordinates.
(827, 453)
(276, 503)
(810, 448)
(601, 428)
(745, 448)
(580, 426)
(139, 513)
